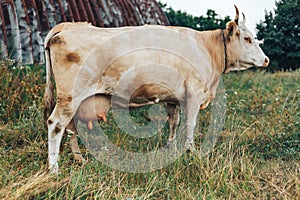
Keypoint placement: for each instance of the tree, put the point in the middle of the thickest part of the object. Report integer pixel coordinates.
(209, 22)
(281, 34)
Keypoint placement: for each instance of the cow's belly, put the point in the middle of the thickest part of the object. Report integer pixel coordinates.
(155, 92)
(147, 94)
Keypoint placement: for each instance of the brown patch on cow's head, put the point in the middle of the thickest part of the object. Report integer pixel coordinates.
(72, 57)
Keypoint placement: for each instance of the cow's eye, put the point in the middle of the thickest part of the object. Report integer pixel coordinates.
(248, 39)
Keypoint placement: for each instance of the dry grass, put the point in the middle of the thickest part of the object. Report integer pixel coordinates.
(35, 185)
(256, 157)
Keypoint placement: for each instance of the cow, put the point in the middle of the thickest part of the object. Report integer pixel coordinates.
(137, 66)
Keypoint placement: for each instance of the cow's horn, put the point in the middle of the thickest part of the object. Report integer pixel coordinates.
(237, 15)
(244, 18)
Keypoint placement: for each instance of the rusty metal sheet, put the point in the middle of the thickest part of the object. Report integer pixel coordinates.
(25, 23)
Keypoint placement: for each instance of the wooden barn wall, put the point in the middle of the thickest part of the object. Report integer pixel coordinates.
(25, 23)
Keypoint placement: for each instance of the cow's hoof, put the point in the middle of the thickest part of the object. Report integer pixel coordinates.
(171, 146)
(54, 169)
(189, 146)
(79, 158)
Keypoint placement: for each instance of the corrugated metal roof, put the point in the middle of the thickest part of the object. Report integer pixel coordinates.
(25, 23)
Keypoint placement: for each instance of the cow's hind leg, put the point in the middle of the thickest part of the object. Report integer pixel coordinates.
(173, 120)
(71, 129)
(57, 123)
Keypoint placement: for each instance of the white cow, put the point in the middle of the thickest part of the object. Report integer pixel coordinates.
(140, 66)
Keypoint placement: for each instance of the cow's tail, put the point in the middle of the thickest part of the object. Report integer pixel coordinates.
(49, 91)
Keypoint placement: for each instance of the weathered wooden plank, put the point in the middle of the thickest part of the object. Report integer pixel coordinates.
(120, 6)
(108, 8)
(82, 11)
(3, 39)
(25, 35)
(50, 12)
(89, 12)
(97, 13)
(13, 34)
(74, 8)
(59, 7)
(135, 13)
(35, 30)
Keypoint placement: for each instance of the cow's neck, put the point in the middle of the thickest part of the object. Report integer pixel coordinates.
(215, 43)
(225, 52)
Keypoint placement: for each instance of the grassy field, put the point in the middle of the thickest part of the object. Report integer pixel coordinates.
(257, 155)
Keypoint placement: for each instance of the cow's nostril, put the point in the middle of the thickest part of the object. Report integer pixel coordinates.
(266, 62)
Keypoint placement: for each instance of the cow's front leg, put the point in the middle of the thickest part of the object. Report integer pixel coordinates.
(192, 110)
(190, 127)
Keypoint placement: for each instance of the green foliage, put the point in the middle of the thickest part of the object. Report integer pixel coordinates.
(281, 34)
(201, 23)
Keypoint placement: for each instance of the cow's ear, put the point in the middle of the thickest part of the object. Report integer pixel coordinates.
(231, 28)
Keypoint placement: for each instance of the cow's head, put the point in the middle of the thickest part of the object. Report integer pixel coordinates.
(243, 51)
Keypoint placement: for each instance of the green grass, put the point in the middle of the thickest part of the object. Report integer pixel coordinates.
(256, 156)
